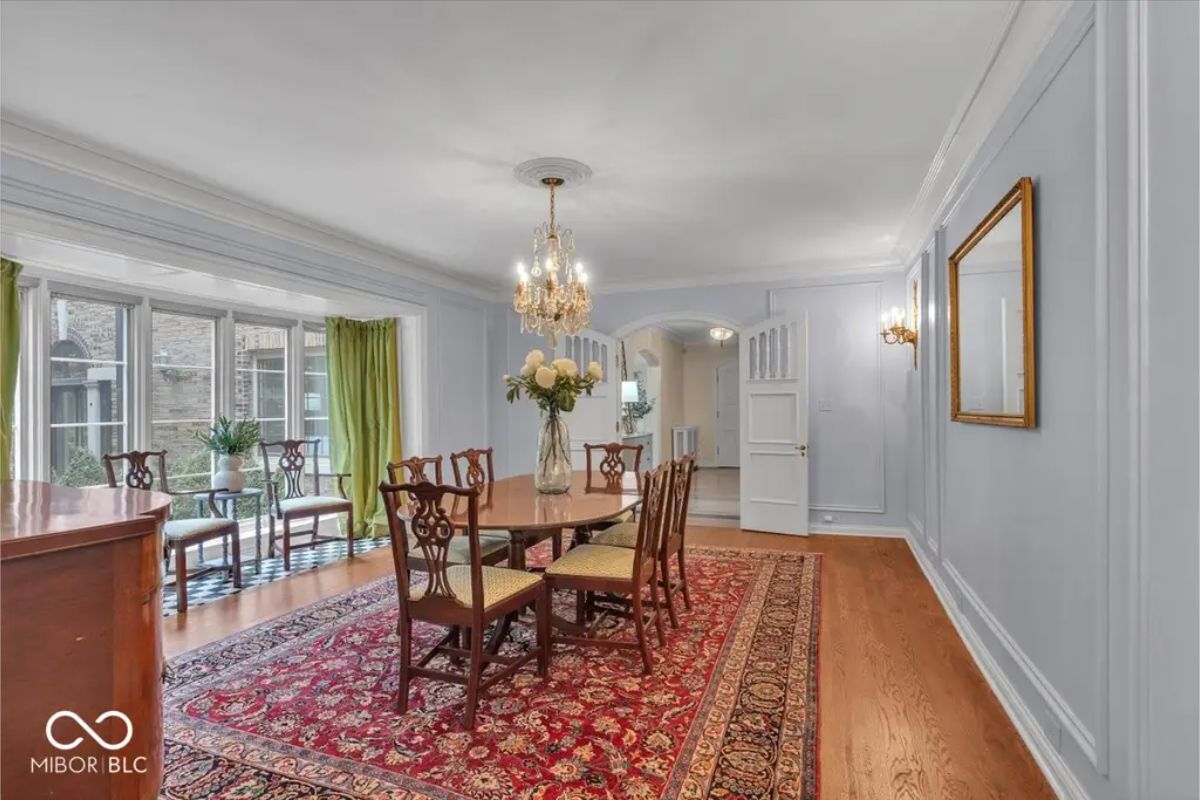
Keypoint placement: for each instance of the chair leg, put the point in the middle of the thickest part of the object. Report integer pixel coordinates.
(350, 532)
(658, 623)
(639, 625)
(235, 549)
(580, 607)
(683, 584)
(543, 630)
(181, 576)
(287, 545)
(473, 679)
(665, 569)
(405, 629)
(270, 536)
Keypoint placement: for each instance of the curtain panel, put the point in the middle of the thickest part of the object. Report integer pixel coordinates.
(10, 348)
(364, 410)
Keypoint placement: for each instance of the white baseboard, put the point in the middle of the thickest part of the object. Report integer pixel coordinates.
(838, 529)
(1064, 783)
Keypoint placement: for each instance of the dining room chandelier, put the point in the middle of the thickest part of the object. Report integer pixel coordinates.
(552, 295)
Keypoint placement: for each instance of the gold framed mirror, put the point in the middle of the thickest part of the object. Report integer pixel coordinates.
(992, 369)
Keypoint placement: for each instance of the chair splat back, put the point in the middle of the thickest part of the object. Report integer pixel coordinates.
(656, 500)
(432, 530)
(612, 466)
(415, 470)
(680, 493)
(138, 474)
(476, 468)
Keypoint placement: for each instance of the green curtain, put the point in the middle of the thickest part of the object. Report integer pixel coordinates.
(364, 411)
(10, 348)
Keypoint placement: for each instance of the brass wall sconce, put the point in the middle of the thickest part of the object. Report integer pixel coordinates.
(896, 330)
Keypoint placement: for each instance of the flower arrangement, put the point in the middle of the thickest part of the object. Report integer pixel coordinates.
(555, 386)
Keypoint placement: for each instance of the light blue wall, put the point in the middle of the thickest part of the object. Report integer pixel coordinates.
(1066, 553)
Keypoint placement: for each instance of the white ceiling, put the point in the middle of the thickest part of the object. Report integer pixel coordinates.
(726, 139)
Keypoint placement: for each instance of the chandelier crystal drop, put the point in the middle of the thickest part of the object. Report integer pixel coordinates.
(552, 296)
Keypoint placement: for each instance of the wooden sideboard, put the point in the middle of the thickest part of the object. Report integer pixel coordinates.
(80, 632)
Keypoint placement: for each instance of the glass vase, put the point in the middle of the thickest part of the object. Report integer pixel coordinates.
(553, 472)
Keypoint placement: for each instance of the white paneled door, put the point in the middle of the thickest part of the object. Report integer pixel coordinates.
(728, 418)
(595, 418)
(773, 362)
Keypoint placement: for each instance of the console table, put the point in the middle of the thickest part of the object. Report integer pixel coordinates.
(81, 599)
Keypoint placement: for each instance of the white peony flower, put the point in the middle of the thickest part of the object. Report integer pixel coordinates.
(595, 370)
(527, 370)
(507, 378)
(545, 377)
(535, 358)
(565, 366)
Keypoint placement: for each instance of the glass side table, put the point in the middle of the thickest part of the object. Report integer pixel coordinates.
(224, 498)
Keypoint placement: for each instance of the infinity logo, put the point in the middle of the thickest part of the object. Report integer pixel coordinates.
(88, 730)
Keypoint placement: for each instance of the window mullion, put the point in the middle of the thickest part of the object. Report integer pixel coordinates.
(295, 380)
(224, 363)
(138, 366)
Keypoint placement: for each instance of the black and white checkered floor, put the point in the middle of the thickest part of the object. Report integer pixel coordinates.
(216, 585)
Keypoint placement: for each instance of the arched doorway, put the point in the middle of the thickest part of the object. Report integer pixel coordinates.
(679, 368)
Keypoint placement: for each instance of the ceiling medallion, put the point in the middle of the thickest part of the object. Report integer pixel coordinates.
(552, 296)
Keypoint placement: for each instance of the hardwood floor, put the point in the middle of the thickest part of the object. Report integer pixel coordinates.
(905, 713)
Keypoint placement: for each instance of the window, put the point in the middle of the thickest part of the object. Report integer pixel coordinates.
(181, 385)
(260, 353)
(88, 358)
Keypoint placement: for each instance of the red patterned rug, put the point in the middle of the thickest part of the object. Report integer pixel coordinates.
(303, 706)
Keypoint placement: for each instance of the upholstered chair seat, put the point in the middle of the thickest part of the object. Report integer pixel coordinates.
(595, 561)
(459, 551)
(191, 528)
(310, 504)
(499, 584)
(621, 535)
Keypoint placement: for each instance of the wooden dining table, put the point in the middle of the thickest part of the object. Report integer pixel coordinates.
(515, 505)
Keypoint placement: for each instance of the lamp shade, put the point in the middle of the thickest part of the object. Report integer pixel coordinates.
(629, 391)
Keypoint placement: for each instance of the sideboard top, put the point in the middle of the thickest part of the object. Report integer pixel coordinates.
(38, 517)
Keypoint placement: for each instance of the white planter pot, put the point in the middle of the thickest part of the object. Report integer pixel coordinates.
(229, 474)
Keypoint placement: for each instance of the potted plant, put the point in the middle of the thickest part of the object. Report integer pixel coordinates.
(554, 387)
(230, 441)
(637, 410)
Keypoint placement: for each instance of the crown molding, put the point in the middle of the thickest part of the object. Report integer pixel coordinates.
(828, 270)
(41, 144)
(1027, 29)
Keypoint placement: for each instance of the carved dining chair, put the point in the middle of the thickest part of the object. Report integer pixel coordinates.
(179, 534)
(290, 503)
(607, 475)
(415, 470)
(674, 532)
(494, 544)
(611, 468)
(473, 467)
(592, 569)
(461, 596)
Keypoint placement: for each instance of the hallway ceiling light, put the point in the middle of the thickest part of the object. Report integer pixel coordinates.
(721, 334)
(550, 303)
